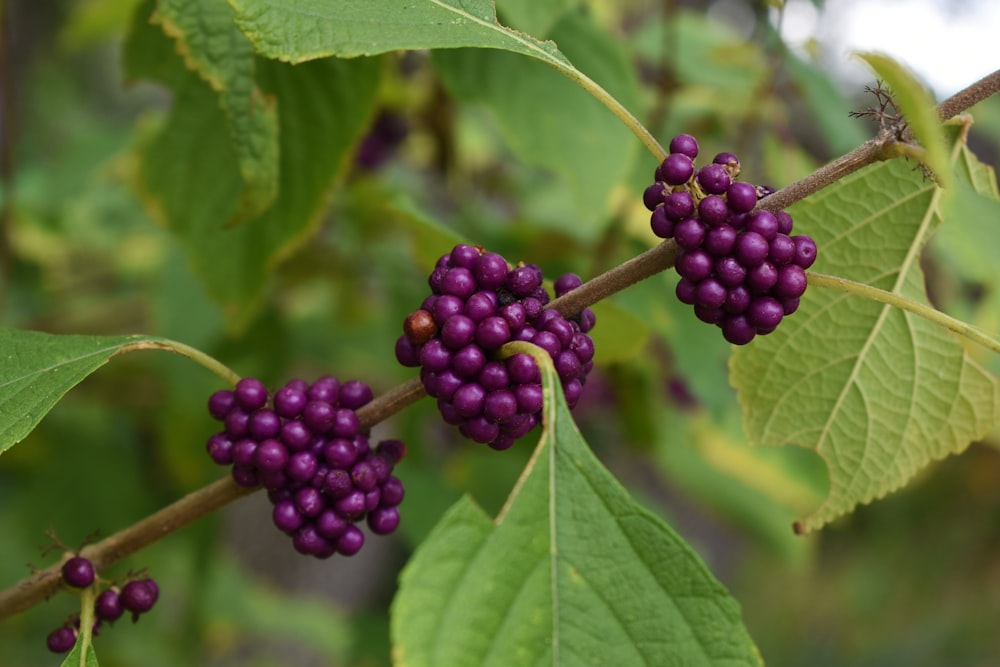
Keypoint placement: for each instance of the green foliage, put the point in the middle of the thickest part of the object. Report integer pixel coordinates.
(282, 252)
(38, 369)
(572, 571)
(877, 392)
(298, 31)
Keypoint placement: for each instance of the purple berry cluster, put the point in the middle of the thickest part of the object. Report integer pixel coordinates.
(306, 447)
(478, 302)
(741, 269)
(137, 596)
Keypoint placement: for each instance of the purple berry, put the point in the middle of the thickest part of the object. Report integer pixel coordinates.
(737, 329)
(741, 197)
(781, 250)
(653, 195)
(738, 299)
(286, 517)
(660, 223)
(686, 144)
(383, 520)
(392, 492)
(729, 271)
(679, 205)
(61, 640)
(687, 291)
(108, 605)
(522, 369)
(713, 210)
(220, 403)
(689, 233)
(490, 271)
(764, 223)
(695, 265)
(351, 506)
(351, 541)
(270, 455)
(78, 572)
(761, 278)
(567, 282)
(220, 448)
(714, 179)
(707, 314)
(481, 305)
(459, 282)
(720, 240)
(479, 429)
(469, 399)
(751, 249)
(139, 596)
(805, 251)
(469, 361)
(251, 394)
(345, 423)
(301, 466)
(446, 306)
(791, 282)
(711, 293)
(263, 424)
(676, 169)
(784, 222)
(355, 394)
(492, 333)
(289, 402)
(309, 501)
(765, 313)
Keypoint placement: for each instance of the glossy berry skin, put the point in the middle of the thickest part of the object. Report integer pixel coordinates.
(686, 144)
(61, 640)
(78, 572)
(108, 606)
(139, 596)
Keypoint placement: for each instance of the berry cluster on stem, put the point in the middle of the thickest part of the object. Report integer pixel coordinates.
(479, 302)
(742, 270)
(305, 445)
(137, 596)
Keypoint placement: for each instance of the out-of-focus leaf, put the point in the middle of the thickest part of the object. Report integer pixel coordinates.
(916, 104)
(213, 46)
(531, 103)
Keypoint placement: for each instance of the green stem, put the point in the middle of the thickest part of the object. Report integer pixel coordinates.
(194, 354)
(903, 303)
(87, 599)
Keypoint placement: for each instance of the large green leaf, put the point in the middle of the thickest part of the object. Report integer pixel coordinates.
(213, 46)
(877, 392)
(571, 572)
(531, 103)
(299, 30)
(37, 369)
(188, 172)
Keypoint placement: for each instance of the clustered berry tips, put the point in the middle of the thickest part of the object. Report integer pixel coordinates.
(742, 270)
(478, 303)
(136, 595)
(305, 445)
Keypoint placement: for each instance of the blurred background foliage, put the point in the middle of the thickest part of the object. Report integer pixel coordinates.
(471, 145)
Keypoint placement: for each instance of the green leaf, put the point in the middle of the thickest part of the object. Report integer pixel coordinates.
(212, 45)
(37, 369)
(299, 30)
(571, 572)
(877, 392)
(75, 657)
(188, 176)
(530, 104)
(916, 104)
